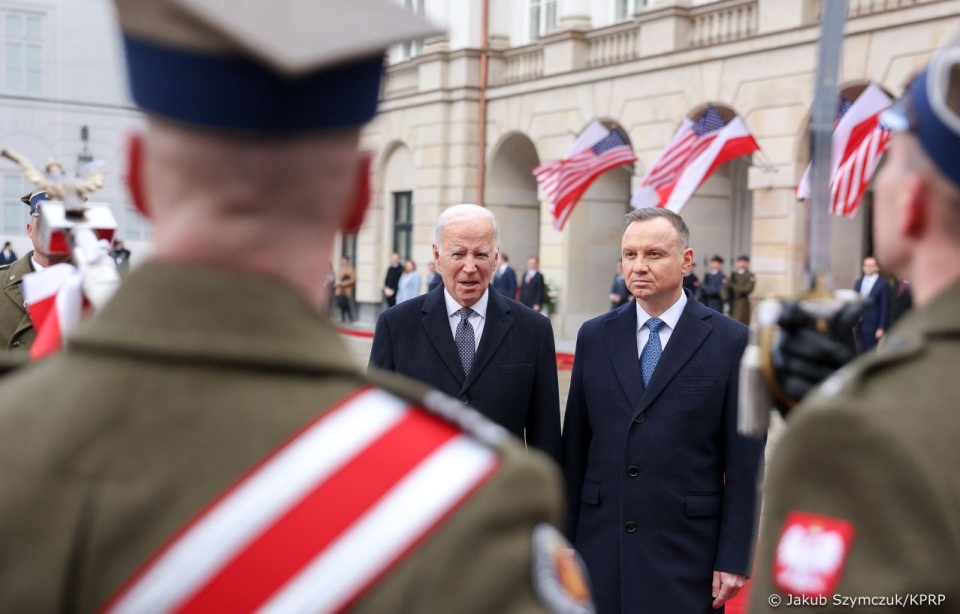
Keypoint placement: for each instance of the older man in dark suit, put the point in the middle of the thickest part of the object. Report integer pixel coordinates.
(476, 345)
(661, 488)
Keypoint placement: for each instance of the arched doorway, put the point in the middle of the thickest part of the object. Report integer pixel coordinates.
(720, 213)
(511, 195)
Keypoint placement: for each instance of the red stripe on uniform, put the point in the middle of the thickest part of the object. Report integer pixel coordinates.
(280, 553)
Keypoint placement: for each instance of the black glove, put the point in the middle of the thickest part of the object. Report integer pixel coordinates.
(804, 356)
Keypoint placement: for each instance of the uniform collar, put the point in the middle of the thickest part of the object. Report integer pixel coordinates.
(15, 272)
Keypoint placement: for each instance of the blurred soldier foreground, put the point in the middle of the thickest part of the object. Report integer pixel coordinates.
(16, 328)
(202, 444)
(863, 492)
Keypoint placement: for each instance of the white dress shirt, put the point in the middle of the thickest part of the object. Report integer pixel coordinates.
(867, 284)
(476, 319)
(670, 318)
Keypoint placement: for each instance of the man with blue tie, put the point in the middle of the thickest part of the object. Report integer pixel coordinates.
(661, 489)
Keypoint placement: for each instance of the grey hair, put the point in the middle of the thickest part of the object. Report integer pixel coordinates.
(651, 213)
(460, 213)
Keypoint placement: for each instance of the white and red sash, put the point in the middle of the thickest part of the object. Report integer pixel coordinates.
(321, 519)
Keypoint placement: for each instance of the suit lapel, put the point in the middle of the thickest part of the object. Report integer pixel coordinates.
(689, 335)
(620, 332)
(437, 326)
(495, 329)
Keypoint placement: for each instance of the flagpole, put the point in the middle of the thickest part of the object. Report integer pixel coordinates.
(833, 17)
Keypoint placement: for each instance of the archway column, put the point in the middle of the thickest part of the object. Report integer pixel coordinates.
(578, 262)
(779, 231)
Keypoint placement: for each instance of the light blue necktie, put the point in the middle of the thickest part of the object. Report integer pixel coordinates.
(651, 351)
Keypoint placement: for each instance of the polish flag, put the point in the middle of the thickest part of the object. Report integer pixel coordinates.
(854, 125)
(55, 302)
(731, 141)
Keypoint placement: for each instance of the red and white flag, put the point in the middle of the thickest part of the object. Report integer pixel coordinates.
(595, 151)
(320, 520)
(851, 179)
(695, 152)
(55, 302)
(857, 122)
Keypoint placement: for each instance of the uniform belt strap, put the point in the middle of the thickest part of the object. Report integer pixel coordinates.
(321, 519)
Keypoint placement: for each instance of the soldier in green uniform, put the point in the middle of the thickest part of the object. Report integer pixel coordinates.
(203, 443)
(16, 328)
(862, 503)
(742, 282)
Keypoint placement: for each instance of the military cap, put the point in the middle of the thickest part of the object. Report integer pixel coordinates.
(717, 258)
(930, 109)
(262, 66)
(743, 257)
(34, 199)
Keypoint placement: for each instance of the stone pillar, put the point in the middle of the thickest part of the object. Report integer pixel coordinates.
(665, 29)
(564, 51)
(573, 15)
(779, 230)
(779, 15)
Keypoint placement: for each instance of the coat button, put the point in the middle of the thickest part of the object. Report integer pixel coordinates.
(464, 399)
(639, 419)
(15, 344)
(631, 526)
(632, 471)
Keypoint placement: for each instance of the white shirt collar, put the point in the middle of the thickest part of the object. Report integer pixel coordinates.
(503, 267)
(479, 308)
(36, 267)
(670, 317)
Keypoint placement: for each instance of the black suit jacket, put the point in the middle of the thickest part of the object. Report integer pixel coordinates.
(661, 489)
(514, 377)
(876, 316)
(506, 283)
(532, 292)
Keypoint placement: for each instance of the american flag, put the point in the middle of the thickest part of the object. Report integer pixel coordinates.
(595, 151)
(858, 146)
(694, 153)
(689, 142)
(851, 179)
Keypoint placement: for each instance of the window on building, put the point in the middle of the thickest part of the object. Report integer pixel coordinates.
(348, 248)
(22, 53)
(402, 223)
(135, 226)
(414, 48)
(626, 8)
(15, 213)
(543, 17)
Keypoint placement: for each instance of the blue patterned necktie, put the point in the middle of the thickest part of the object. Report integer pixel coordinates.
(651, 351)
(466, 342)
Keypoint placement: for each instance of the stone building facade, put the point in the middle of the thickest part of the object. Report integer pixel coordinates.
(63, 95)
(553, 66)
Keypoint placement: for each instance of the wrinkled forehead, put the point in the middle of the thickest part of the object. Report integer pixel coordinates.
(474, 233)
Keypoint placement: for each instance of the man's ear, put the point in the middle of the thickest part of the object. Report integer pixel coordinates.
(135, 180)
(916, 213)
(357, 209)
